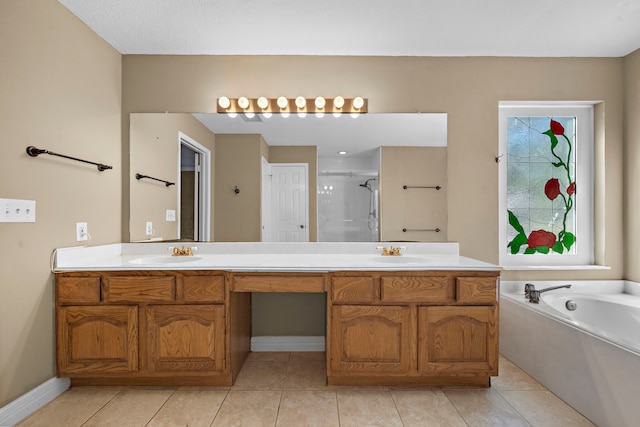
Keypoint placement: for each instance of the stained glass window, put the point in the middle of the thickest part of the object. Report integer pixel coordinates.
(541, 186)
(546, 186)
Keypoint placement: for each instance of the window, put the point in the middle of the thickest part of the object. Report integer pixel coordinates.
(546, 185)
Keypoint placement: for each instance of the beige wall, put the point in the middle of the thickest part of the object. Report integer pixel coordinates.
(302, 154)
(238, 164)
(60, 89)
(467, 89)
(632, 165)
(414, 208)
(154, 151)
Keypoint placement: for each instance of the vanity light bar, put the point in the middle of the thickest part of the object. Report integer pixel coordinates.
(283, 105)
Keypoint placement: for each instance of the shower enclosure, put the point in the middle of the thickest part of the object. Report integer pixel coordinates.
(348, 207)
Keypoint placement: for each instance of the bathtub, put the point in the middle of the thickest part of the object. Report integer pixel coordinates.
(589, 357)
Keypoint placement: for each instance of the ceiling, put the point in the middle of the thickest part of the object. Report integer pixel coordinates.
(552, 28)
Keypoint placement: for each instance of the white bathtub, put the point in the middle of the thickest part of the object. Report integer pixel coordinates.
(589, 357)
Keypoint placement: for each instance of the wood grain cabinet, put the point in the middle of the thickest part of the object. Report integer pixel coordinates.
(457, 340)
(142, 328)
(413, 328)
(404, 328)
(185, 338)
(371, 339)
(97, 339)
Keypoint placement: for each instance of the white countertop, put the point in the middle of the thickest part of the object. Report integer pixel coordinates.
(264, 257)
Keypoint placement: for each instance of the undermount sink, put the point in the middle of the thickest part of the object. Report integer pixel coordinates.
(400, 259)
(165, 260)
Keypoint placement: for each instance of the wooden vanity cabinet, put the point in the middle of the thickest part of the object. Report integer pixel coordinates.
(158, 327)
(413, 328)
(142, 327)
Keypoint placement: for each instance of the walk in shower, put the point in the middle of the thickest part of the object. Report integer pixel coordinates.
(348, 203)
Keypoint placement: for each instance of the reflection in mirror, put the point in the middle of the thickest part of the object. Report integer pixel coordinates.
(189, 200)
(357, 196)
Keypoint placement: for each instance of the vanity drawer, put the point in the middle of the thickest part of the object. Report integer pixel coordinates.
(476, 290)
(76, 290)
(354, 290)
(278, 283)
(425, 289)
(139, 289)
(203, 288)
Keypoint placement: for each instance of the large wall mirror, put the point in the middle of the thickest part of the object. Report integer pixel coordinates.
(211, 177)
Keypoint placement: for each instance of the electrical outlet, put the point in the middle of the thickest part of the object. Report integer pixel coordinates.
(82, 231)
(149, 229)
(171, 215)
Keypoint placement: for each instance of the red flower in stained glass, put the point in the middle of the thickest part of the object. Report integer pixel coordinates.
(541, 238)
(571, 189)
(556, 128)
(552, 188)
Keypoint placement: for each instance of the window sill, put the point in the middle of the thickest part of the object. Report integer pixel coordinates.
(554, 267)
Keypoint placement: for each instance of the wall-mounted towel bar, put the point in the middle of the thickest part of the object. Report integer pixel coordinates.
(34, 152)
(167, 183)
(437, 230)
(404, 187)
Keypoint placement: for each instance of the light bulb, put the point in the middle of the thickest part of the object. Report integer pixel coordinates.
(338, 102)
(301, 102)
(263, 102)
(243, 102)
(358, 102)
(282, 102)
(224, 102)
(320, 102)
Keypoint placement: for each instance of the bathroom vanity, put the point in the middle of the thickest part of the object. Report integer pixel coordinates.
(127, 314)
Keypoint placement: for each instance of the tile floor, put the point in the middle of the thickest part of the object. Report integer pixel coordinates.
(288, 389)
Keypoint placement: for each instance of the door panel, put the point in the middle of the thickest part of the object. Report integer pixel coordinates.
(290, 216)
(457, 340)
(371, 339)
(97, 339)
(185, 338)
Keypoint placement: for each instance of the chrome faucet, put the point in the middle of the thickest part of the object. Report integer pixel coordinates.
(534, 295)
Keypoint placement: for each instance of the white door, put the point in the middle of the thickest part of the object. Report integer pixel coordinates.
(289, 202)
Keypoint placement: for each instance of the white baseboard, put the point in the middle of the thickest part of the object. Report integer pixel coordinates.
(33, 400)
(287, 343)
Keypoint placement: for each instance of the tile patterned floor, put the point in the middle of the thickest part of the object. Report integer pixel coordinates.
(288, 389)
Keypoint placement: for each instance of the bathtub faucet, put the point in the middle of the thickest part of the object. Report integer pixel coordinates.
(534, 295)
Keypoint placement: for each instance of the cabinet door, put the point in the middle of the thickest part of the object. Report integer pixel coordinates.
(371, 339)
(185, 338)
(460, 340)
(97, 339)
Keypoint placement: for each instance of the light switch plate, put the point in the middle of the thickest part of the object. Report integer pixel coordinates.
(16, 210)
(171, 215)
